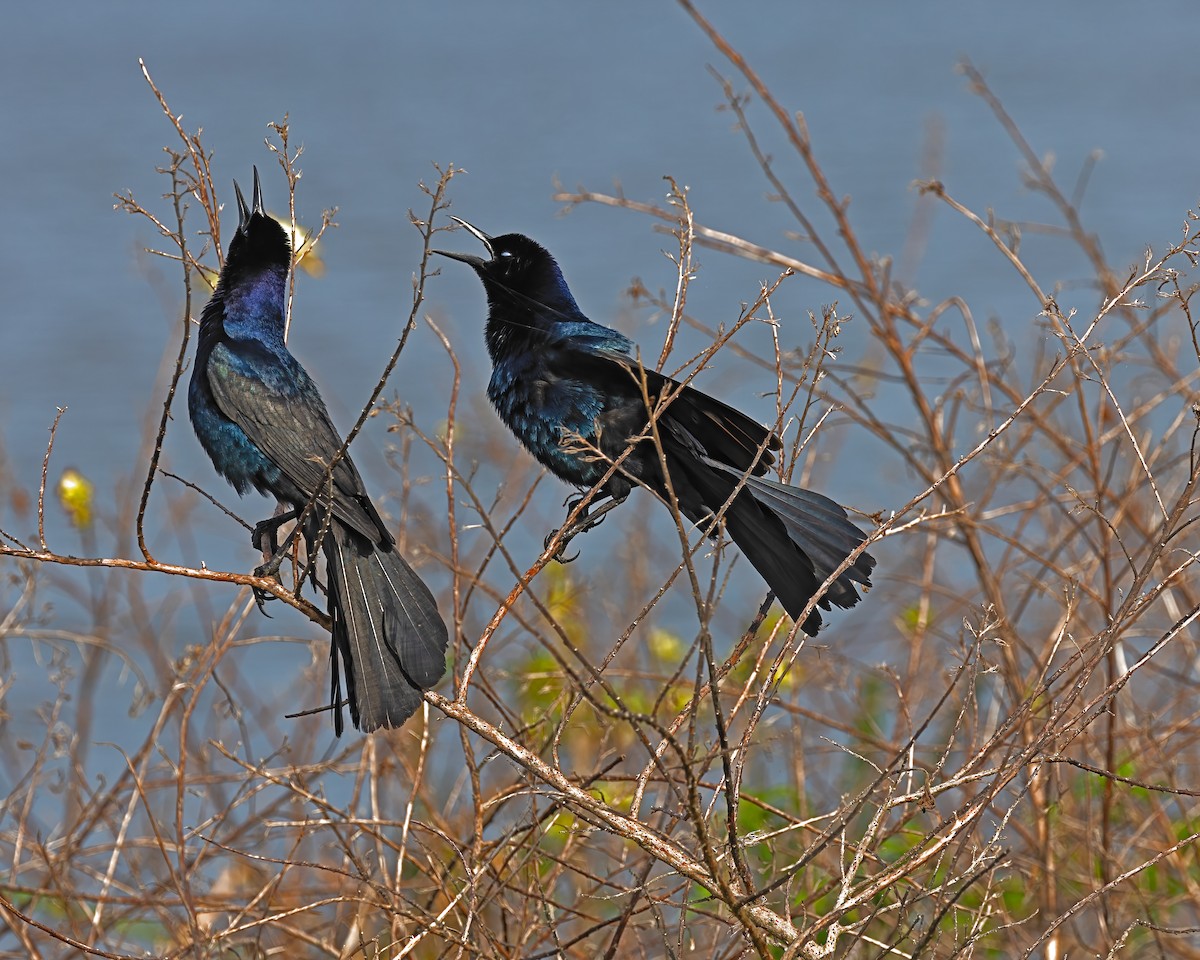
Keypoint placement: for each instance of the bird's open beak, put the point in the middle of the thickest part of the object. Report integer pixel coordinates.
(467, 257)
(244, 212)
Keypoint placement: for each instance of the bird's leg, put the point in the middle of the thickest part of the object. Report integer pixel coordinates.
(268, 529)
(267, 532)
(590, 516)
(571, 503)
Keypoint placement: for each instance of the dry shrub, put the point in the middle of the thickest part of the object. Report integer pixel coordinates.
(646, 770)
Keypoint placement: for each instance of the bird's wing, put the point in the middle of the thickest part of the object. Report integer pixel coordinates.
(288, 422)
(726, 435)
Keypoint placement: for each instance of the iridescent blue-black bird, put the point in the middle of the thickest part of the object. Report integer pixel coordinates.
(261, 419)
(564, 384)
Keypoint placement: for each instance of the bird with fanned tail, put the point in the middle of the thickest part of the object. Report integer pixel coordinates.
(261, 419)
(571, 391)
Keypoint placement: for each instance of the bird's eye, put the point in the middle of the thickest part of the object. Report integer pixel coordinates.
(506, 253)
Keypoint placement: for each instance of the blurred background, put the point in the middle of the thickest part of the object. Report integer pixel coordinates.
(166, 697)
(522, 98)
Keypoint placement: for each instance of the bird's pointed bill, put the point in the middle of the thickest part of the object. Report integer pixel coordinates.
(258, 200)
(243, 210)
(478, 234)
(469, 258)
(466, 258)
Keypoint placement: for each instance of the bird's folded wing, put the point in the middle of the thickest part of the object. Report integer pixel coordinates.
(291, 427)
(727, 435)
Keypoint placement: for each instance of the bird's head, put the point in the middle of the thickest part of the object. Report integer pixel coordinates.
(248, 300)
(260, 241)
(518, 273)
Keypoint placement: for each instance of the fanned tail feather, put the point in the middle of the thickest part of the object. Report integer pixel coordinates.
(794, 538)
(822, 530)
(386, 631)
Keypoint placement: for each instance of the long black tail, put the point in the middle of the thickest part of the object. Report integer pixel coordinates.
(794, 538)
(386, 631)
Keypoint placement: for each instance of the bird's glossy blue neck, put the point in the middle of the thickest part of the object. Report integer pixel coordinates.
(552, 291)
(254, 306)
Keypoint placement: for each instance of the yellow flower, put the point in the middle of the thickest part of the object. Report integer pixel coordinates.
(304, 243)
(75, 494)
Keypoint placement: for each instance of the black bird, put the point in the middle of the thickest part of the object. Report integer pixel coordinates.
(261, 419)
(564, 384)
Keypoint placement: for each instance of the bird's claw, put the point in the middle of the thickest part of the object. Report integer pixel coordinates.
(583, 523)
(263, 597)
(267, 571)
(559, 554)
(266, 535)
